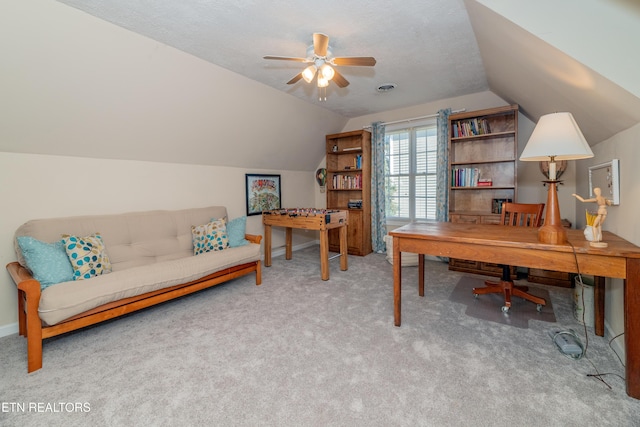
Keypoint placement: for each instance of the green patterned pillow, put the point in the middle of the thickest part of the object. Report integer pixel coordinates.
(87, 255)
(209, 237)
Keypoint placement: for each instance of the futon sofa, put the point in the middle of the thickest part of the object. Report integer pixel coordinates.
(131, 261)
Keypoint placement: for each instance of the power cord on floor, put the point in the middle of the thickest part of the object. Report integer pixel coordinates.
(582, 352)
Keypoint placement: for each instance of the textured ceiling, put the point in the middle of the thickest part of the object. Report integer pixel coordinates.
(427, 48)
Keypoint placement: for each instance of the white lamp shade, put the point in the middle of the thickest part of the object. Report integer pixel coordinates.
(309, 73)
(327, 71)
(322, 82)
(556, 135)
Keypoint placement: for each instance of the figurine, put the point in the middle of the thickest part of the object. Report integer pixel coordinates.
(600, 217)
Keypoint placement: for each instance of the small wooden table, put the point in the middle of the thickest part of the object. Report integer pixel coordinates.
(519, 246)
(321, 220)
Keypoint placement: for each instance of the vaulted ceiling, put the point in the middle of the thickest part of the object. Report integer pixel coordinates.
(185, 81)
(431, 50)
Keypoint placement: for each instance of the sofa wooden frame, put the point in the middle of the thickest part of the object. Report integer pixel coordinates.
(35, 331)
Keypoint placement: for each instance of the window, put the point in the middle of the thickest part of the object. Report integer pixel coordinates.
(411, 173)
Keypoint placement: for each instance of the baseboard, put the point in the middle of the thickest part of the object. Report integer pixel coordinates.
(618, 344)
(10, 329)
(282, 250)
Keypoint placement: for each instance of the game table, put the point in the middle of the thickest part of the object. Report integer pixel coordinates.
(321, 220)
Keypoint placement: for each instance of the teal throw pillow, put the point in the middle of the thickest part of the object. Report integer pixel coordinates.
(48, 262)
(236, 231)
(87, 255)
(209, 237)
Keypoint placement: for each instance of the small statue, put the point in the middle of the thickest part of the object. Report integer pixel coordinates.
(601, 216)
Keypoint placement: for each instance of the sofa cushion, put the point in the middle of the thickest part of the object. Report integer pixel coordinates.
(236, 229)
(48, 262)
(87, 255)
(132, 239)
(208, 237)
(67, 299)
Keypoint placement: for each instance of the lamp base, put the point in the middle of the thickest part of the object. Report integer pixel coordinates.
(598, 244)
(552, 232)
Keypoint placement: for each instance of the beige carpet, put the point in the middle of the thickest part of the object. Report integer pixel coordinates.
(489, 307)
(299, 351)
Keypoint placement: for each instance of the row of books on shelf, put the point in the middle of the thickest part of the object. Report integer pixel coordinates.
(471, 127)
(468, 177)
(347, 182)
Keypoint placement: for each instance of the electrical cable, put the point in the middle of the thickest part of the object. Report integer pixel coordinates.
(615, 352)
(597, 375)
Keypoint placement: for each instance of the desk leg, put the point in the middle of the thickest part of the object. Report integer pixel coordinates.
(397, 282)
(324, 254)
(288, 240)
(343, 248)
(598, 301)
(632, 327)
(267, 245)
(421, 275)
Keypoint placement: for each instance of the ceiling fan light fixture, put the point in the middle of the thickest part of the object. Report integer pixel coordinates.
(309, 73)
(327, 71)
(322, 81)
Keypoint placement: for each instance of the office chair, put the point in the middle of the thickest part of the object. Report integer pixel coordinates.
(516, 215)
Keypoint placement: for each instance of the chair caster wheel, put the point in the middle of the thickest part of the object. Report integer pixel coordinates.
(505, 309)
(539, 308)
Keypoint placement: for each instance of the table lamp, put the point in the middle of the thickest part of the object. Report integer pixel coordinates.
(555, 137)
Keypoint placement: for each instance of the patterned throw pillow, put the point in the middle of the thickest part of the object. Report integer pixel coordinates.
(48, 262)
(236, 230)
(87, 255)
(209, 237)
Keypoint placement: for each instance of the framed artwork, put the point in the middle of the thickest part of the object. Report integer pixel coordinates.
(606, 176)
(263, 193)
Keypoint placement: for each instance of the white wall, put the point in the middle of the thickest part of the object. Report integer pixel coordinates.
(75, 85)
(622, 219)
(43, 186)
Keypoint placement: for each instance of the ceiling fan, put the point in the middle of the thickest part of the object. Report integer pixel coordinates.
(323, 64)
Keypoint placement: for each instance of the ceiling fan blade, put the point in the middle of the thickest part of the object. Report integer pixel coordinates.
(295, 79)
(285, 58)
(320, 44)
(355, 61)
(339, 79)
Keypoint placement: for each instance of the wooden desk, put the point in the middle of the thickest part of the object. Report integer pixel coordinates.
(309, 219)
(519, 246)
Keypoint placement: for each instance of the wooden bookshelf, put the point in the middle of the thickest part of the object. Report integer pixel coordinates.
(484, 145)
(349, 187)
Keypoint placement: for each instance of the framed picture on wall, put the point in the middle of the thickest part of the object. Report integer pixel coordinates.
(263, 193)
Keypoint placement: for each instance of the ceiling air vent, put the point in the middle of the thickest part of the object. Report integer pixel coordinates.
(386, 87)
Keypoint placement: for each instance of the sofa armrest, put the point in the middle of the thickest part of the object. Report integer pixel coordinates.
(253, 238)
(24, 280)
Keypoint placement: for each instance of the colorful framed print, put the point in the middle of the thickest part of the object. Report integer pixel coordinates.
(263, 193)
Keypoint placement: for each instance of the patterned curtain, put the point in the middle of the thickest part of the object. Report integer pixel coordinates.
(442, 194)
(378, 216)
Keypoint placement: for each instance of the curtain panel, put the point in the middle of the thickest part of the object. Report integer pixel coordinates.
(442, 168)
(378, 198)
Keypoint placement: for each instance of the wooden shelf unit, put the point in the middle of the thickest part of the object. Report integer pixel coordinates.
(488, 153)
(349, 179)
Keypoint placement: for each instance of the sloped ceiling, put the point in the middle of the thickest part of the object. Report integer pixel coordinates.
(432, 50)
(521, 68)
(427, 48)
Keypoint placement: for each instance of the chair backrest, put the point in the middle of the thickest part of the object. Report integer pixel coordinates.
(522, 214)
